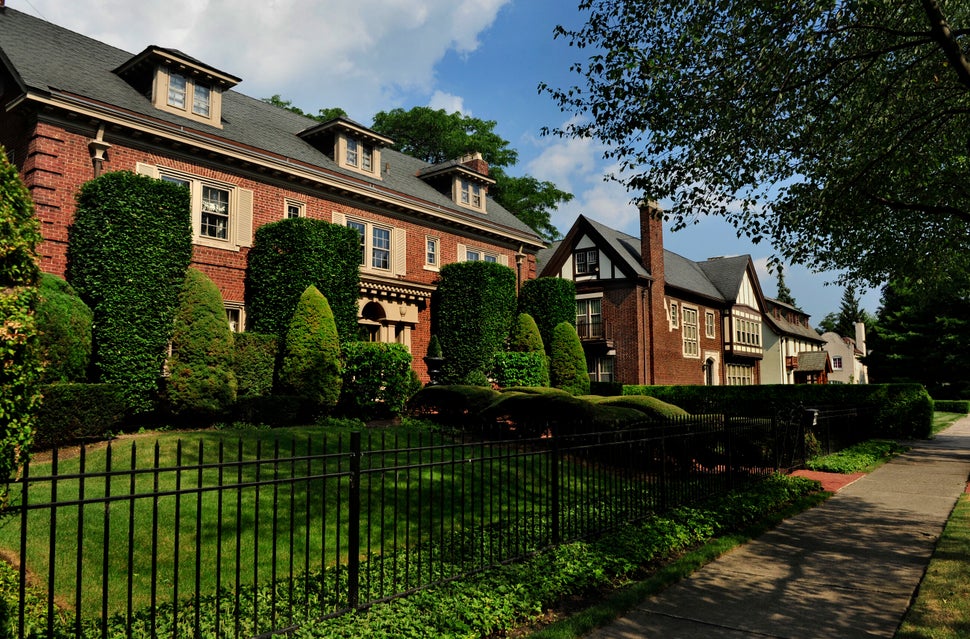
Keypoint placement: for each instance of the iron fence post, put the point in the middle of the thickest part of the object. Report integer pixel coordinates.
(555, 505)
(353, 522)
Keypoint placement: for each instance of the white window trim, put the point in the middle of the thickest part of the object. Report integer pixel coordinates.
(594, 272)
(300, 206)
(397, 257)
(363, 148)
(436, 265)
(674, 314)
(710, 324)
(241, 308)
(464, 250)
(458, 190)
(240, 231)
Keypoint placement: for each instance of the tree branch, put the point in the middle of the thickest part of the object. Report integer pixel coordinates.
(946, 38)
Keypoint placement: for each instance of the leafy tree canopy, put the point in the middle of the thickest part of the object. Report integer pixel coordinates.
(843, 323)
(802, 122)
(323, 115)
(437, 136)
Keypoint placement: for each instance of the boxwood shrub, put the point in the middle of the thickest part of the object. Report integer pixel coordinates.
(72, 413)
(550, 301)
(64, 324)
(290, 255)
(254, 363)
(128, 251)
(952, 405)
(311, 365)
(567, 365)
(377, 379)
(521, 369)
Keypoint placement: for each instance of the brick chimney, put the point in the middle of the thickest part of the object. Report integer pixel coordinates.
(652, 239)
(474, 161)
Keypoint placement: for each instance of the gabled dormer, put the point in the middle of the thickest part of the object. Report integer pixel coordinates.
(465, 180)
(349, 144)
(179, 84)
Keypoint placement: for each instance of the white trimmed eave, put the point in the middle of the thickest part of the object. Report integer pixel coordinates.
(262, 160)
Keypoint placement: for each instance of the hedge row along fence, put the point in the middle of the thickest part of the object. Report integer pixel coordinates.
(883, 410)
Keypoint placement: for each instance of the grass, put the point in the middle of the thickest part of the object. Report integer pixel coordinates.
(863, 457)
(942, 421)
(942, 606)
(196, 534)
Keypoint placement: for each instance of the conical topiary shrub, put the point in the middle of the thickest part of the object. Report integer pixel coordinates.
(201, 380)
(567, 368)
(311, 355)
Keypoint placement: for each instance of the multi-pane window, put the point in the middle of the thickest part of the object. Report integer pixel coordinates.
(215, 212)
(472, 255)
(381, 248)
(176, 90)
(690, 334)
(366, 158)
(236, 316)
(201, 100)
(471, 194)
(431, 251)
(589, 318)
(587, 261)
(709, 324)
(674, 314)
(600, 368)
(375, 245)
(294, 210)
(837, 362)
(352, 152)
(747, 332)
(739, 375)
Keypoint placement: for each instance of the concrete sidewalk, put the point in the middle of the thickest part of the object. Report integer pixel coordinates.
(847, 568)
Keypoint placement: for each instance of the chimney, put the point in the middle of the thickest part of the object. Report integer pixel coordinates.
(474, 161)
(652, 239)
(860, 338)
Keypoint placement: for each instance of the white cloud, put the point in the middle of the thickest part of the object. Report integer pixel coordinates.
(361, 55)
(450, 103)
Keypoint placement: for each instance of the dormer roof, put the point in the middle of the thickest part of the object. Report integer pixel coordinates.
(324, 132)
(144, 63)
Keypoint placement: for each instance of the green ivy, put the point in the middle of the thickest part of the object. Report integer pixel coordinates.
(128, 252)
(201, 380)
(311, 365)
(521, 369)
(550, 301)
(290, 255)
(377, 380)
(474, 312)
(20, 366)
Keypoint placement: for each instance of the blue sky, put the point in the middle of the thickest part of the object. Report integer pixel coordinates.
(484, 58)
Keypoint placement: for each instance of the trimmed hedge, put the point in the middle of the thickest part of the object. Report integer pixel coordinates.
(290, 255)
(567, 365)
(311, 365)
(521, 369)
(72, 413)
(128, 252)
(255, 363)
(377, 379)
(64, 323)
(201, 382)
(885, 410)
(550, 301)
(952, 405)
(21, 368)
(473, 314)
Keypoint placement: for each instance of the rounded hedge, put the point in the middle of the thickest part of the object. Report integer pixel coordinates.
(201, 380)
(64, 324)
(567, 365)
(311, 365)
(377, 379)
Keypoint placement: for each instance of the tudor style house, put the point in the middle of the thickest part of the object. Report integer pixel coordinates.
(72, 108)
(649, 316)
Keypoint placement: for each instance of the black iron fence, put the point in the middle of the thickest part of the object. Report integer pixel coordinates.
(206, 538)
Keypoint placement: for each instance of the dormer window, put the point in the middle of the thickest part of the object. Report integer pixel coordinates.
(464, 180)
(471, 194)
(349, 144)
(179, 84)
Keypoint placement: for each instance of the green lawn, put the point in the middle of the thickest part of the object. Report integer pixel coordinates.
(306, 532)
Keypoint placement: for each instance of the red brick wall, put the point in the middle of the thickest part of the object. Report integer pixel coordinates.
(57, 162)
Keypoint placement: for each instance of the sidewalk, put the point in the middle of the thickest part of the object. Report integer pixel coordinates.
(847, 568)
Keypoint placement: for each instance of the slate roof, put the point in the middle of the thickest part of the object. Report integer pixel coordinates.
(54, 61)
(813, 361)
(783, 326)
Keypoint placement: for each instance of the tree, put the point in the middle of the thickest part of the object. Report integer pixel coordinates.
(567, 366)
(323, 115)
(850, 312)
(311, 357)
(20, 367)
(798, 121)
(201, 379)
(436, 136)
(784, 293)
(918, 340)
